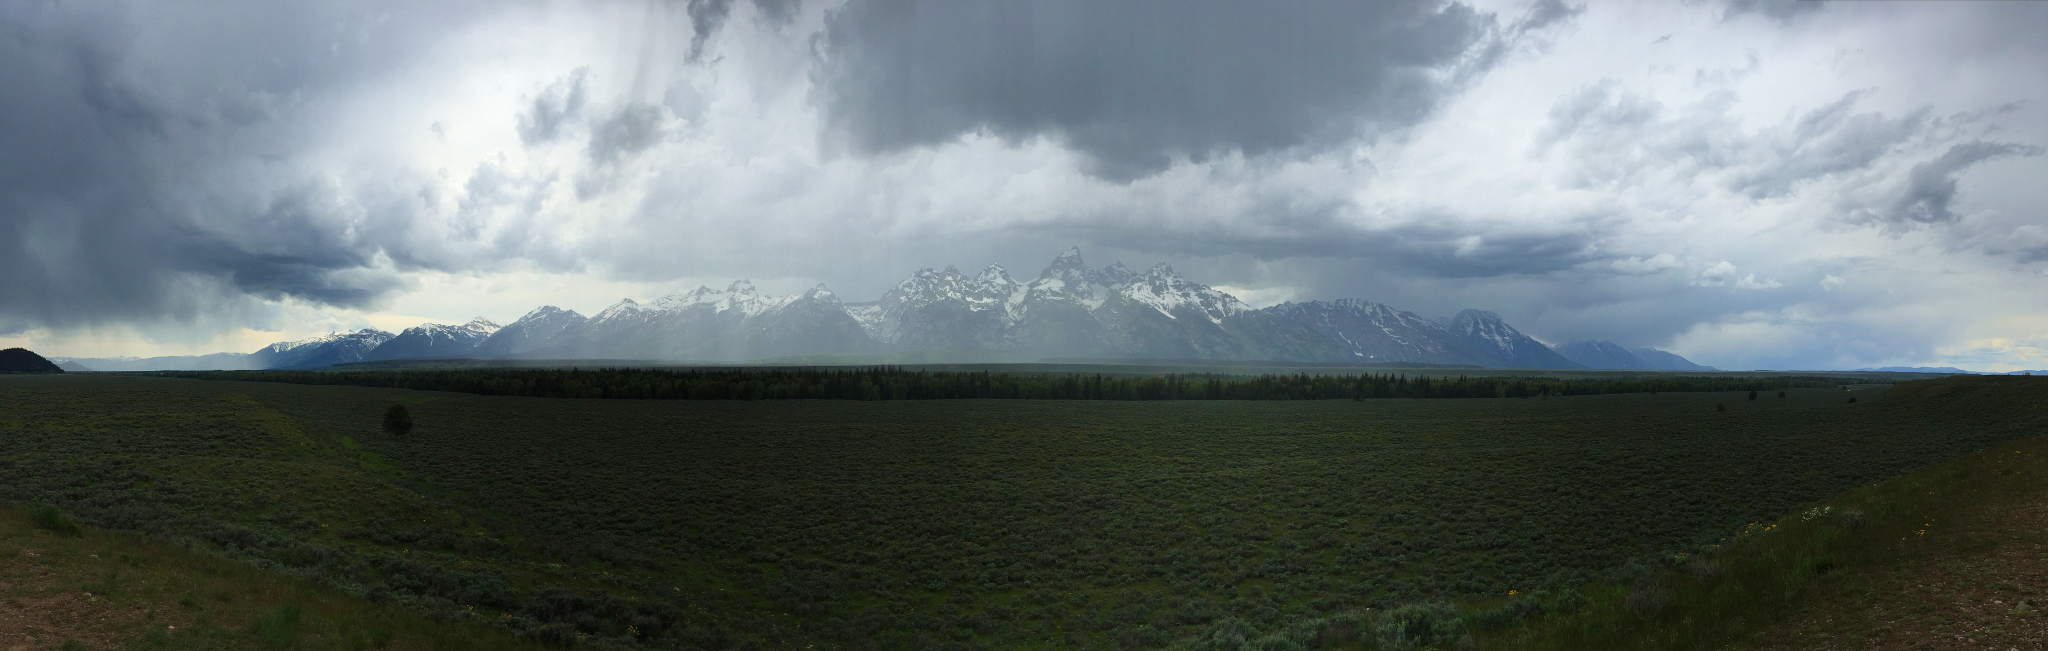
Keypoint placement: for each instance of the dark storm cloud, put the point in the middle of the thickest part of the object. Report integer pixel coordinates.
(1439, 246)
(1827, 140)
(554, 108)
(142, 185)
(1618, 139)
(706, 16)
(1931, 186)
(1779, 10)
(630, 130)
(1135, 84)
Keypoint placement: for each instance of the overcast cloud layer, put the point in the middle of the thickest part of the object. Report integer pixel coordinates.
(1750, 184)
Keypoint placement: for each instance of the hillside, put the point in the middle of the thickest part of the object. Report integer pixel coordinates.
(1954, 555)
(69, 587)
(21, 360)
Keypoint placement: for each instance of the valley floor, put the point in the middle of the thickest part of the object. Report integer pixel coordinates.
(1016, 524)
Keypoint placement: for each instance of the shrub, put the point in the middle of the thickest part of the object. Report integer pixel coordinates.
(1706, 570)
(1818, 565)
(1419, 625)
(1647, 599)
(1515, 609)
(49, 518)
(1341, 630)
(1781, 394)
(1752, 395)
(1227, 635)
(1852, 518)
(280, 627)
(1720, 406)
(1569, 601)
(1852, 400)
(397, 421)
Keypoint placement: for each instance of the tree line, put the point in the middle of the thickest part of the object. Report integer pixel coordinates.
(895, 383)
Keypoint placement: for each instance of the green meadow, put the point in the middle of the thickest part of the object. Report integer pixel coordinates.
(1545, 522)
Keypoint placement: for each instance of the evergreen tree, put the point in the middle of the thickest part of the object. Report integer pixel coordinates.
(397, 421)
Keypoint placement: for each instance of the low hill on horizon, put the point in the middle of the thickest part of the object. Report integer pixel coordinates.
(22, 360)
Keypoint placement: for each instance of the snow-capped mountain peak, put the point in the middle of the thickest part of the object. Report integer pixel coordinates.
(368, 334)
(1165, 290)
(1068, 309)
(995, 273)
(1115, 275)
(821, 293)
(1068, 267)
(626, 307)
(543, 312)
(740, 295)
(1482, 324)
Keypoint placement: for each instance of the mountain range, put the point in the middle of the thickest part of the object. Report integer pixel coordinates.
(1069, 310)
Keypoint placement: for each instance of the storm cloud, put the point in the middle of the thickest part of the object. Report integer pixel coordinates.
(1138, 85)
(111, 178)
(1765, 184)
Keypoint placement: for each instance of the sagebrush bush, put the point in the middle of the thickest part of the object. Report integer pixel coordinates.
(1647, 599)
(1852, 518)
(1818, 565)
(1568, 601)
(49, 518)
(1706, 570)
(1415, 626)
(1515, 609)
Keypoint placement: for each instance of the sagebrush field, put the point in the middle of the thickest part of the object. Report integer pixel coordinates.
(936, 524)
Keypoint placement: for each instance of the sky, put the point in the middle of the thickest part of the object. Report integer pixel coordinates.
(1750, 184)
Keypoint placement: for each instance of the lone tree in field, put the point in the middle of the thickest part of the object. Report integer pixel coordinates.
(397, 420)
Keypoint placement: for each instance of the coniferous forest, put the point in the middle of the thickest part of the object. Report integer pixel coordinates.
(889, 383)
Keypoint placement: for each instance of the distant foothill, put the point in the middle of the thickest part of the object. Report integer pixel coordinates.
(21, 360)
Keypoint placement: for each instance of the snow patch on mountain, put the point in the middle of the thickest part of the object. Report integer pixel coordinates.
(1166, 291)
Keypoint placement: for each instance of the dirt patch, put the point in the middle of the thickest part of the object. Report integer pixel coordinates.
(1992, 594)
(43, 606)
(37, 614)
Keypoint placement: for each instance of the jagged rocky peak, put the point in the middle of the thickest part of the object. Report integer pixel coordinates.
(1066, 279)
(989, 289)
(547, 312)
(995, 273)
(1068, 261)
(821, 293)
(1114, 275)
(1487, 326)
(371, 335)
(1477, 322)
(741, 287)
(482, 325)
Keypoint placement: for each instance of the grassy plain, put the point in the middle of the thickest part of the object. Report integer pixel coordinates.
(94, 589)
(947, 524)
(1954, 555)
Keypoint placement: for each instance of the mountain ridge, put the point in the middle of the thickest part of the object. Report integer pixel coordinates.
(1068, 310)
